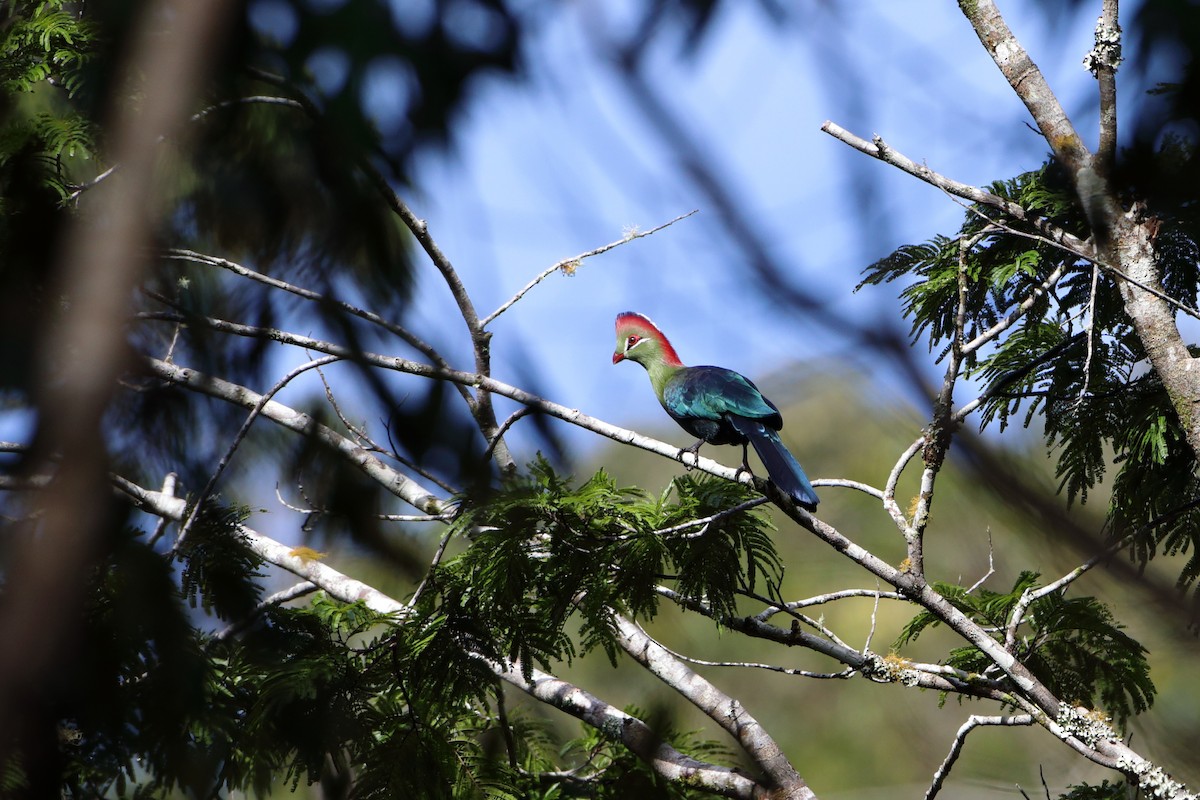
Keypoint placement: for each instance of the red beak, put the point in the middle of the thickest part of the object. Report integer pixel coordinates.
(618, 357)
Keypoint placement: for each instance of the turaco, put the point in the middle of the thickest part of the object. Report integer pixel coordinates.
(716, 404)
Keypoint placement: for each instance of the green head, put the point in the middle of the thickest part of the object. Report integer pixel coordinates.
(640, 340)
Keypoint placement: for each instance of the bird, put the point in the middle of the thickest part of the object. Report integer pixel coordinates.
(717, 405)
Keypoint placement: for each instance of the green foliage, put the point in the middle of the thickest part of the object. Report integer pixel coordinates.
(1072, 362)
(219, 565)
(1104, 791)
(544, 552)
(46, 46)
(45, 40)
(407, 706)
(1073, 645)
(141, 675)
(615, 773)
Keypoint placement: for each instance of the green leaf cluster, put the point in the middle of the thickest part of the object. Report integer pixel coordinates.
(1073, 645)
(545, 552)
(45, 53)
(46, 40)
(336, 693)
(1071, 362)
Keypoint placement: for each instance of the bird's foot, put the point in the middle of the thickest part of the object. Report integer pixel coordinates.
(695, 451)
(744, 467)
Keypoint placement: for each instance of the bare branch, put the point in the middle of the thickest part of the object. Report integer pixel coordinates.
(399, 331)
(973, 722)
(880, 150)
(279, 598)
(206, 492)
(802, 673)
(726, 711)
(889, 489)
(168, 490)
(400, 485)
(570, 415)
(830, 597)
(991, 565)
(937, 677)
(1028, 82)
(569, 265)
(1103, 60)
(1032, 595)
(703, 522)
(634, 734)
(844, 483)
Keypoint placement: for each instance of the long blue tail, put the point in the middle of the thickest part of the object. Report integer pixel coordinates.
(781, 465)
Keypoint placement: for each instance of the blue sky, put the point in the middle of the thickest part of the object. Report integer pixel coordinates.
(563, 161)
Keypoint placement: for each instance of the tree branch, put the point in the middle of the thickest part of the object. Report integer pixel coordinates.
(624, 728)
(880, 150)
(207, 491)
(398, 484)
(973, 722)
(781, 777)
(1028, 82)
(569, 265)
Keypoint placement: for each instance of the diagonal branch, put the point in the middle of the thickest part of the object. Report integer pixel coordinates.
(781, 777)
(418, 344)
(880, 150)
(201, 383)
(936, 677)
(482, 410)
(630, 731)
(398, 484)
(1029, 83)
(960, 739)
(569, 265)
(211, 484)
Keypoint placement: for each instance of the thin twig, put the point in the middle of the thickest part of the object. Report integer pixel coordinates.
(882, 151)
(202, 498)
(360, 434)
(845, 483)
(415, 517)
(874, 618)
(279, 598)
(960, 738)
(168, 490)
(1091, 333)
(803, 673)
(829, 597)
(569, 265)
(795, 615)
(399, 331)
(1032, 595)
(512, 419)
(889, 489)
(991, 565)
(433, 565)
(703, 522)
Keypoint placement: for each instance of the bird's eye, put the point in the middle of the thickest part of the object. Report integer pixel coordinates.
(631, 341)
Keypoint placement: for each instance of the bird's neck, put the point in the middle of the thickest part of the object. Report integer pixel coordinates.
(662, 370)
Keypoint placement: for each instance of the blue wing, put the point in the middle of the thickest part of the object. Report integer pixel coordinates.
(709, 393)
